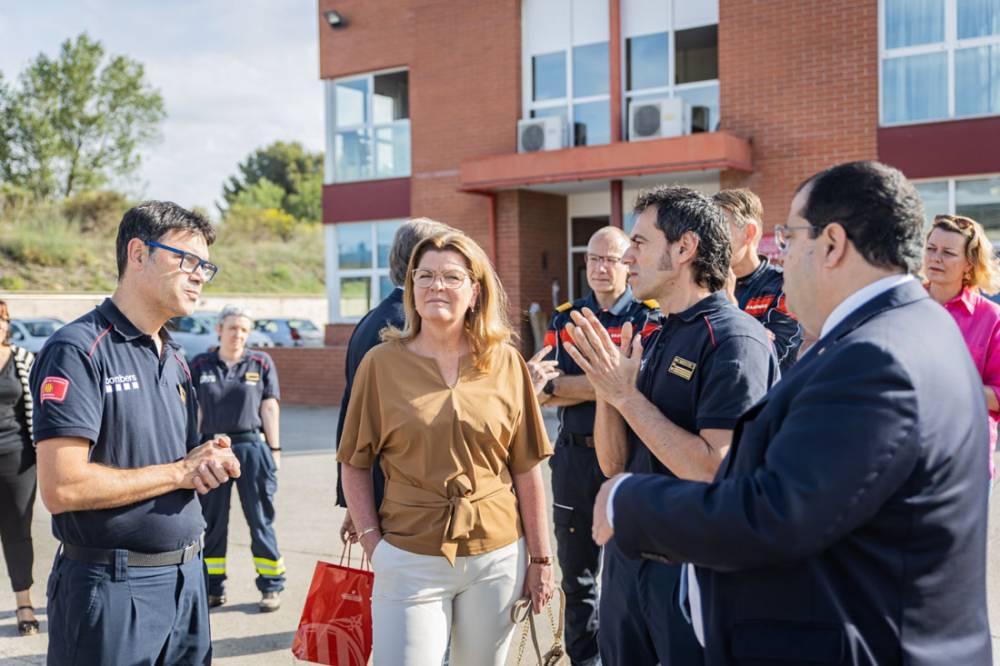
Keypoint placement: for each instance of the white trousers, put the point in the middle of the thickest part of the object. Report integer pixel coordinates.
(419, 602)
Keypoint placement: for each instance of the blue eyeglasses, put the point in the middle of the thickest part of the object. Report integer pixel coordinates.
(190, 262)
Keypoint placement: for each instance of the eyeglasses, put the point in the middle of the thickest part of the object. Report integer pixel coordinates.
(781, 236)
(190, 262)
(610, 262)
(453, 279)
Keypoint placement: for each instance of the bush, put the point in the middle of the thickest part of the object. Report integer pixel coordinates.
(96, 211)
(250, 223)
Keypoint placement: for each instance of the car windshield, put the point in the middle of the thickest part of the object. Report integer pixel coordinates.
(302, 324)
(40, 329)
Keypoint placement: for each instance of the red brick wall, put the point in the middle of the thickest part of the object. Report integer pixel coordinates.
(800, 79)
(310, 375)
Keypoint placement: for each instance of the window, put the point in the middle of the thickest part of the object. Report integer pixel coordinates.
(574, 84)
(360, 266)
(940, 59)
(676, 63)
(369, 118)
(977, 197)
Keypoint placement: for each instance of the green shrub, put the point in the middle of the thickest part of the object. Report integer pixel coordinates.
(97, 211)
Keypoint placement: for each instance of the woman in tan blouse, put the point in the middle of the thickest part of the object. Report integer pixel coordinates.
(448, 405)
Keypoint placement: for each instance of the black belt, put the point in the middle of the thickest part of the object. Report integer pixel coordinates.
(582, 440)
(246, 436)
(135, 559)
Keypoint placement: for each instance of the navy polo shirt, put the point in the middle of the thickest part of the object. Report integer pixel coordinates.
(579, 419)
(100, 378)
(702, 369)
(230, 397)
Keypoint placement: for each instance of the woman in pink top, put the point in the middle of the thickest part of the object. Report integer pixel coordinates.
(960, 266)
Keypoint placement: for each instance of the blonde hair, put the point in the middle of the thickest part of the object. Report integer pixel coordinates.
(743, 205)
(486, 320)
(984, 273)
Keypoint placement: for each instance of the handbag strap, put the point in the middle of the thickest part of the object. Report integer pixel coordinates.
(345, 553)
(521, 613)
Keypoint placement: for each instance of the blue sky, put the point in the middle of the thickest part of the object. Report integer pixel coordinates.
(234, 74)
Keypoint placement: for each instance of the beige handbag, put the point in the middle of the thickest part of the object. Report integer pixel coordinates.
(521, 615)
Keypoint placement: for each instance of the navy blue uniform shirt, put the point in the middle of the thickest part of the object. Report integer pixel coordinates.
(762, 296)
(579, 419)
(230, 397)
(366, 335)
(99, 378)
(702, 369)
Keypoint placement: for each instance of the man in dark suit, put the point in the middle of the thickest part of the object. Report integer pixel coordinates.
(848, 523)
(367, 334)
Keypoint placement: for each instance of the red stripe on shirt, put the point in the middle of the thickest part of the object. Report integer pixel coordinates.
(90, 354)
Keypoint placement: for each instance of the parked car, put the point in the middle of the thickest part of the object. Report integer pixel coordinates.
(291, 332)
(196, 334)
(32, 333)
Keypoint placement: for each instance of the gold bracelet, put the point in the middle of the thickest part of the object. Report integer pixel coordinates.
(366, 531)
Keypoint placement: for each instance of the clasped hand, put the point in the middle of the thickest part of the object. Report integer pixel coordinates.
(210, 465)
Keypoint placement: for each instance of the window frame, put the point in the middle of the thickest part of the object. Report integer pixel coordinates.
(369, 126)
(949, 46)
(374, 273)
(952, 198)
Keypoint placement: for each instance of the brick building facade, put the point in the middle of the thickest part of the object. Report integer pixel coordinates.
(424, 99)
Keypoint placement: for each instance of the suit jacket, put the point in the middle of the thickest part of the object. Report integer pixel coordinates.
(848, 523)
(365, 336)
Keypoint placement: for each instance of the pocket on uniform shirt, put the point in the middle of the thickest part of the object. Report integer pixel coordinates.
(776, 642)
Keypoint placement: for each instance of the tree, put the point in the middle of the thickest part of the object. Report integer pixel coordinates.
(77, 122)
(288, 165)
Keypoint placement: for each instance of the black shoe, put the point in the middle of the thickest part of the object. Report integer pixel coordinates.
(269, 602)
(216, 600)
(27, 627)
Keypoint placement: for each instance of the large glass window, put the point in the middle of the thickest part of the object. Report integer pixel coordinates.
(940, 59)
(371, 127)
(574, 84)
(977, 197)
(361, 266)
(680, 63)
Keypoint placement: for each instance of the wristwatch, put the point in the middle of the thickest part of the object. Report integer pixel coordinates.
(550, 387)
(540, 560)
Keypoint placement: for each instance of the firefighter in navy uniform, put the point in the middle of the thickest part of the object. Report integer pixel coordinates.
(238, 395)
(576, 476)
(115, 424)
(756, 286)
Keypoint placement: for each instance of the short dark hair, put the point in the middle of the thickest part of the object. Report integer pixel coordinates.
(152, 220)
(681, 209)
(878, 207)
(407, 237)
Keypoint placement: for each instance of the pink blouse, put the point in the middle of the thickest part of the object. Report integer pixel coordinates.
(979, 320)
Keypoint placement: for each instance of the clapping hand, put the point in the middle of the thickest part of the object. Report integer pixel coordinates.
(612, 369)
(541, 371)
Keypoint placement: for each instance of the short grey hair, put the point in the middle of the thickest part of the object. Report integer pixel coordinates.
(407, 237)
(234, 311)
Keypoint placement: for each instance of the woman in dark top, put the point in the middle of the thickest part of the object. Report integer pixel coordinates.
(238, 396)
(17, 472)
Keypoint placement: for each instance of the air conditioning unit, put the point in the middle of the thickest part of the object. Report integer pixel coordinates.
(534, 134)
(658, 118)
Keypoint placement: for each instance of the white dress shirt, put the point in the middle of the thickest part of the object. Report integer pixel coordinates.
(839, 314)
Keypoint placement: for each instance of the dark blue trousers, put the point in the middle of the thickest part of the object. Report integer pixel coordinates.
(641, 621)
(576, 479)
(116, 614)
(256, 485)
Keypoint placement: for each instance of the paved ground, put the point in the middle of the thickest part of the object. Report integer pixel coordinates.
(307, 530)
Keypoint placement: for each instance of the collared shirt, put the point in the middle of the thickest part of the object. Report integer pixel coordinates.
(978, 319)
(579, 419)
(761, 294)
(101, 379)
(859, 298)
(230, 397)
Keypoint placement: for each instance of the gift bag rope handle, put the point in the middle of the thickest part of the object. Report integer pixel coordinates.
(366, 564)
(521, 614)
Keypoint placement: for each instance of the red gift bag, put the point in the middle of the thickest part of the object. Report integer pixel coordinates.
(336, 624)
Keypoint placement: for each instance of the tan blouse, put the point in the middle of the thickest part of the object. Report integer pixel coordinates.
(448, 453)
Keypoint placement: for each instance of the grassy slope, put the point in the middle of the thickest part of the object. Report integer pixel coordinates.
(49, 254)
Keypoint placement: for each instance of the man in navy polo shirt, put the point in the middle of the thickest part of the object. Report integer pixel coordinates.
(576, 476)
(118, 458)
(668, 408)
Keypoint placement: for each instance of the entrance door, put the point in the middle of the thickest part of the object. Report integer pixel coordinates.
(580, 231)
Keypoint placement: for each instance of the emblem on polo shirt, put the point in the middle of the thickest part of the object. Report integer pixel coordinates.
(251, 378)
(120, 383)
(682, 367)
(54, 388)
(206, 378)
